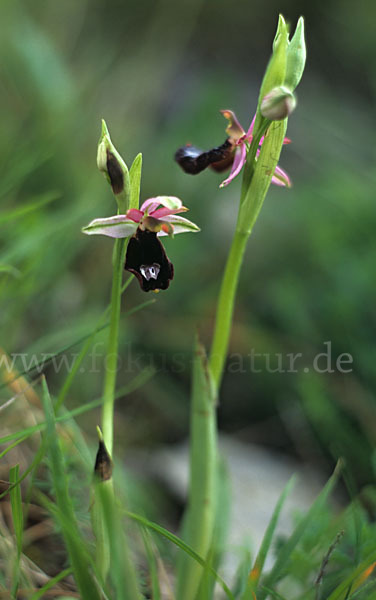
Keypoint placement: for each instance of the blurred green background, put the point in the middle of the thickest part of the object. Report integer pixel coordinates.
(159, 72)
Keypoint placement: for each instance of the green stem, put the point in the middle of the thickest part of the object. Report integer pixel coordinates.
(112, 347)
(256, 181)
(225, 306)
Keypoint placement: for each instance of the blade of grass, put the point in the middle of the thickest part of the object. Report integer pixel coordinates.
(11, 446)
(133, 385)
(356, 578)
(153, 565)
(199, 517)
(136, 382)
(180, 544)
(277, 571)
(18, 525)
(242, 572)
(75, 545)
(32, 205)
(256, 571)
(9, 270)
(36, 460)
(60, 518)
(16, 505)
(368, 587)
(273, 593)
(40, 365)
(84, 350)
(50, 584)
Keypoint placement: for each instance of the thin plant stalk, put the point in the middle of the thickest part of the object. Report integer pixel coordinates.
(103, 524)
(112, 347)
(256, 181)
(225, 306)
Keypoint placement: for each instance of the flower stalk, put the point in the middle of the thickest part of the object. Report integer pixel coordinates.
(286, 65)
(125, 186)
(112, 345)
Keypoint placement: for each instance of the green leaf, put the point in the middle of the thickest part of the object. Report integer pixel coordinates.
(135, 181)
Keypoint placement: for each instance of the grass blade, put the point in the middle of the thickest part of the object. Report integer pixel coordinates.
(358, 576)
(256, 571)
(75, 545)
(183, 546)
(277, 571)
(136, 382)
(40, 365)
(17, 518)
(50, 584)
(153, 565)
(32, 205)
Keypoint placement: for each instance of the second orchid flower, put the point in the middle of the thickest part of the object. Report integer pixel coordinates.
(232, 153)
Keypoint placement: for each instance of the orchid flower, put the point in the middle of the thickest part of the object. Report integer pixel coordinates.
(232, 152)
(146, 257)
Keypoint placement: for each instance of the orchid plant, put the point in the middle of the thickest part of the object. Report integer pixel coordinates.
(136, 231)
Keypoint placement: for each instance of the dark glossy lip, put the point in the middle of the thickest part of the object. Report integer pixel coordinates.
(193, 160)
(144, 252)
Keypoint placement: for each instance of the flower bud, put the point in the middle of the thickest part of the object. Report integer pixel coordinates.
(114, 168)
(103, 463)
(296, 57)
(278, 104)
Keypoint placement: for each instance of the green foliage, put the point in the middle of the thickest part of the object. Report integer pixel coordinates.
(159, 75)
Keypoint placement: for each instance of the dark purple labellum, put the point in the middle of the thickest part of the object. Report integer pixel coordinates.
(147, 260)
(115, 173)
(193, 160)
(103, 463)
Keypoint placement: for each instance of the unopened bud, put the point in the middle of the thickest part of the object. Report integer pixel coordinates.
(114, 168)
(103, 463)
(278, 104)
(296, 57)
